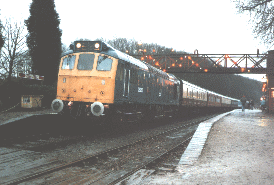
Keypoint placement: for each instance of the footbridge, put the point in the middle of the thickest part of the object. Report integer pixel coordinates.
(208, 63)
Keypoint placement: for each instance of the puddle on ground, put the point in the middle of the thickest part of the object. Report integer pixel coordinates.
(263, 123)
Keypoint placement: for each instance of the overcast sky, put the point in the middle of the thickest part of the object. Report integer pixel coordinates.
(211, 26)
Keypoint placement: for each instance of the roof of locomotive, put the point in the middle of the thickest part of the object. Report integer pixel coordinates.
(120, 55)
(87, 46)
(173, 78)
(110, 51)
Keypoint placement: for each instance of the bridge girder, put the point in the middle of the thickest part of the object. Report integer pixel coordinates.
(208, 63)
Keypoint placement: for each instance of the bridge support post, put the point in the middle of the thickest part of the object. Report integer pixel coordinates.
(270, 80)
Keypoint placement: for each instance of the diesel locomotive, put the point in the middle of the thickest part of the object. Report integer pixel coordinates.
(96, 80)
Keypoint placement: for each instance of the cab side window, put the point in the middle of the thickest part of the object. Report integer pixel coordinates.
(68, 62)
(104, 63)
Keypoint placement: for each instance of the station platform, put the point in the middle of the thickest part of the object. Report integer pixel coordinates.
(238, 148)
(18, 114)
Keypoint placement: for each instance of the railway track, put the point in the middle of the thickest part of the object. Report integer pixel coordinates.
(107, 166)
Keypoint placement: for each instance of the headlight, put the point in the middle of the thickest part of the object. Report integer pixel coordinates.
(78, 45)
(97, 46)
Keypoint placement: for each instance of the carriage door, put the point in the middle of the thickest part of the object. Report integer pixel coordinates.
(126, 80)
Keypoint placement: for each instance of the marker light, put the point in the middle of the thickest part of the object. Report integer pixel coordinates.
(78, 45)
(97, 46)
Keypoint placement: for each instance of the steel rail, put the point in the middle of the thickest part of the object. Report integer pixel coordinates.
(149, 162)
(94, 156)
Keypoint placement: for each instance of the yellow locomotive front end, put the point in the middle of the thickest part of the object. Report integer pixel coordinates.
(86, 81)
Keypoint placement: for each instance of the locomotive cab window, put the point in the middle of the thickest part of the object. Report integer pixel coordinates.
(85, 62)
(68, 62)
(104, 63)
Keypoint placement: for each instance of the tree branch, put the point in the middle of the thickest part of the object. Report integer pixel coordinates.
(256, 5)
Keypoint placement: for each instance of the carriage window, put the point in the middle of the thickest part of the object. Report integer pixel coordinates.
(104, 63)
(85, 62)
(68, 62)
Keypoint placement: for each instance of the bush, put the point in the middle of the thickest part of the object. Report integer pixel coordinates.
(10, 93)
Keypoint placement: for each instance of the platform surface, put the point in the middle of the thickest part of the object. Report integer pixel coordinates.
(239, 149)
(13, 115)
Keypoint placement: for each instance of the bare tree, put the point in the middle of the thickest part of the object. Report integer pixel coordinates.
(1, 36)
(134, 47)
(14, 53)
(262, 17)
